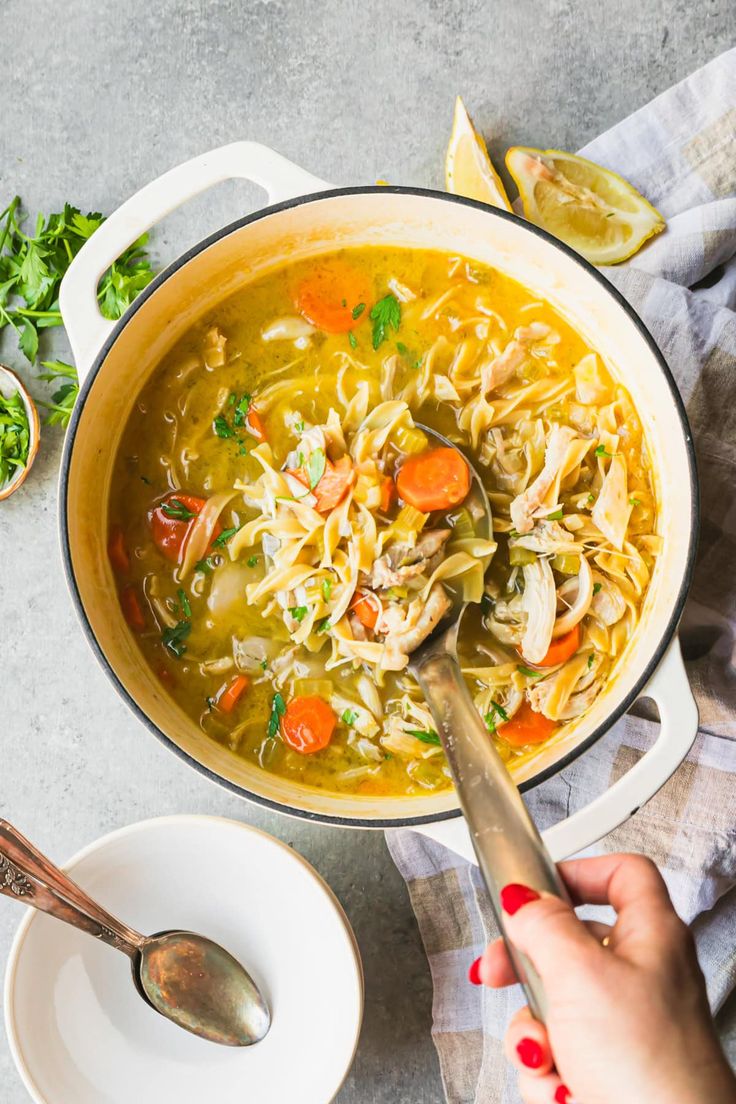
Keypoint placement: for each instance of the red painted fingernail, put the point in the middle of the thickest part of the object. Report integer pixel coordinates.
(530, 1052)
(562, 1095)
(515, 895)
(474, 973)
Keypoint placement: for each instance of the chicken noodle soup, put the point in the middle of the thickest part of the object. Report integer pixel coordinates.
(283, 533)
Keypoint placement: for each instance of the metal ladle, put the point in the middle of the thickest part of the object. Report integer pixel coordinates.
(506, 842)
(186, 977)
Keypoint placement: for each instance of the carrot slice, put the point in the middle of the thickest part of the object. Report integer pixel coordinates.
(434, 480)
(254, 423)
(308, 724)
(228, 697)
(335, 483)
(526, 727)
(117, 551)
(388, 492)
(132, 609)
(365, 607)
(562, 648)
(331, 294)
(170, 533)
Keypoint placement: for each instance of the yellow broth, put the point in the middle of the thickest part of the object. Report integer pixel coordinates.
(172, 444)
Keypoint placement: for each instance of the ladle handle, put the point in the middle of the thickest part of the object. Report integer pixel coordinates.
(27, 874)
(505, 839)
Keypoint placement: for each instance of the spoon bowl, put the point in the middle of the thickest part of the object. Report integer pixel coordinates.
(168, 972)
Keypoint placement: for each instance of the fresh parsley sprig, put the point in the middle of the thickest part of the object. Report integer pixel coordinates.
(385, 315)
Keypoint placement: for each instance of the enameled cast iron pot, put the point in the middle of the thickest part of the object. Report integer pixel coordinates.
(305, 217)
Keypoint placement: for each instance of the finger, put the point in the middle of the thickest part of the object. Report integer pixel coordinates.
(495, 967)
(527, 1045)
(617, 880)
(548, 931)
(543, 1090)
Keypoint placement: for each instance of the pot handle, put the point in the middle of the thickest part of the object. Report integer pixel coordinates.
(85, 326)
(678, 713)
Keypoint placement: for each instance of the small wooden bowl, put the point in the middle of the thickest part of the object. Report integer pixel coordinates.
(9, 383)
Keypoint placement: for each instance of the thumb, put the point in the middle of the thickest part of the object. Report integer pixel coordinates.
(546, 929)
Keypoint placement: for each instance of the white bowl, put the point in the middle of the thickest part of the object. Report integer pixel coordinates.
(79, 1032)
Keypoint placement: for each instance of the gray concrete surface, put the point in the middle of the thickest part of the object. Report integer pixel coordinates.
(98, 99)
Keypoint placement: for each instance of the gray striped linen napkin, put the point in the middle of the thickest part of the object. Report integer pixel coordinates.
(680, 152)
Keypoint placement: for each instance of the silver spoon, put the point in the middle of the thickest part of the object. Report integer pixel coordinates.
(186, 977)
(506, 841)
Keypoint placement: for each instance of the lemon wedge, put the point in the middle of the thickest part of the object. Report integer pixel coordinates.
(468, 168)
(593, 210)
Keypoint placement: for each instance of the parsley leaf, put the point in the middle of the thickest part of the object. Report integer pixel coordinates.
(176, 509)
(601, 451)
(316, 465)
(252, 561)
(528, 672)
(591, 660)
(207, 565)
(326, 589)
(634, 501)
(186, 609)
(225, 535)
(62, 401)
(323, 625)
(427, 737)
(496, 710)
(174, 638)
(385, 315)
(349, 717)
(299, 612)
(241, 410)
(556, 516)
(597, 587)
(401, 347)
(222, 427)
(358, 310)
(352, 340)
(278, 708)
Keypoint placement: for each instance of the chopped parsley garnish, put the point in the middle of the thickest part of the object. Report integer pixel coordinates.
(299, 612)
(352, 340)
(241, 410)
(597, 587)
(264, 664)
(601, 451)
(316, 465)
(326, 589)
(222, 427)
(349, 717)
(299, 427)
(401, 347)
(358, 310)
(528, 672)
(186, 609)
(591, 497)
(556, 516)
(174, 638)
(323, 625)
(385, 315)
(176, 509)
(15, 434)
(207, 566)
(496, 710)
(634, 502)
(591, 659)
(252, 561)
(278, 708)
(224, 537)
(426, 736)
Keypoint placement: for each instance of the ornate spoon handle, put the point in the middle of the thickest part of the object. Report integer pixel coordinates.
(24, 860)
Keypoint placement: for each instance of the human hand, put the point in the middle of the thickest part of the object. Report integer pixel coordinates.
(628, 1022)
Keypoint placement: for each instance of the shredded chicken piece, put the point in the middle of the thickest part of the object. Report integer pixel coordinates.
(402, 562)
(608, 604)
(540, 603)
(576, 704)
(500, 370)
(532, 498)
(400, 645)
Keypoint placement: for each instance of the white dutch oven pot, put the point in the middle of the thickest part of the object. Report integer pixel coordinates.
(304, 218)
